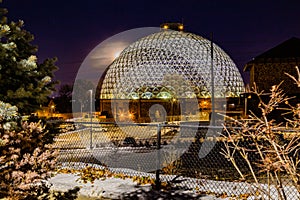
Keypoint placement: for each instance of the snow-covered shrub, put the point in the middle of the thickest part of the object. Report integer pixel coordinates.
(26, 160)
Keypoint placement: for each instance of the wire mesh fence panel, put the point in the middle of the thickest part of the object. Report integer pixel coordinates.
(174, 152)
(214, 172)
(72, 147)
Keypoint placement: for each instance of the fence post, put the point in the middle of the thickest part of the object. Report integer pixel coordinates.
(158, 137)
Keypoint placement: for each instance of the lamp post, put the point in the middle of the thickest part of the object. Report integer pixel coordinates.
(212, 77)
(91, 118)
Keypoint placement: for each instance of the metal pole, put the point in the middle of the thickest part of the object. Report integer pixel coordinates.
(91, 119)
(212, 81)
(157, 179)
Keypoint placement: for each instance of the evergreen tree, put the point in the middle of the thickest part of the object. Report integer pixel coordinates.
(24, 82)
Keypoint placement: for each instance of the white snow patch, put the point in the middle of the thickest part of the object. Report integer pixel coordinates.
(108, 188)
(114, 187)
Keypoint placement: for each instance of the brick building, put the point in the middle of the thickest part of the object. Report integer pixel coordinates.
(269, 68)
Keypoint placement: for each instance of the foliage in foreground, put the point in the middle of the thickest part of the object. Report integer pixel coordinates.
(24, 82)
(26, 160)
(276, 153)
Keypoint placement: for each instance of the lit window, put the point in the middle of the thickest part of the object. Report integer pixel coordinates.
(147, 95)
(164, 95)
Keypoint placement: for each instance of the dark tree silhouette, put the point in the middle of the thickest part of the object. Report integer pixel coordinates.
(64, 100)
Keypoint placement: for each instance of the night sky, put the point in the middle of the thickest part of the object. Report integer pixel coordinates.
(69, 30)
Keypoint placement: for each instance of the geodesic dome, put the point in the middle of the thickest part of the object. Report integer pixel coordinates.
(170, 64)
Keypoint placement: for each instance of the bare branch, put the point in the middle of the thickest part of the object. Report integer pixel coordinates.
(296, 80)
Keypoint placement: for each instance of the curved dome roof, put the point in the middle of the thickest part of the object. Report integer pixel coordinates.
(170, 64)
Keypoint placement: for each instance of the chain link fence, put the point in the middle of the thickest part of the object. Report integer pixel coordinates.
(167, 152)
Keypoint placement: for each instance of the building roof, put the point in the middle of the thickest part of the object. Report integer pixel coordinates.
(287, 49)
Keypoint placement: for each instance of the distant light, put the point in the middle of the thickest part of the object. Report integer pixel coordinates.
(117, 54)
(180, 27)
(165, 26)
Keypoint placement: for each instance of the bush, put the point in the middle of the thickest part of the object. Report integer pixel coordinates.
(27, 159)
(277, 153)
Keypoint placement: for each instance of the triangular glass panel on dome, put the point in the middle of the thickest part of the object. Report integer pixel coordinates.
(140, 91)
(133, 95)
(164, 95)
(164, 89)
(155, 90)
(170, 88)
(147, 95)
(122, 96)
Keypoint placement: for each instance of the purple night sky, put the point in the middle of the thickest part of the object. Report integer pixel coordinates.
(69, 30)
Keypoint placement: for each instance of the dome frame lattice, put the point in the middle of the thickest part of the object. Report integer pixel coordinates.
(170, 64)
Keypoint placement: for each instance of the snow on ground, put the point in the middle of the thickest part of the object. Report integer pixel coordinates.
(114, 187)
(108, 188)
